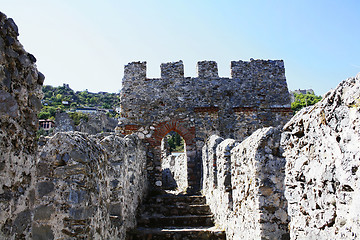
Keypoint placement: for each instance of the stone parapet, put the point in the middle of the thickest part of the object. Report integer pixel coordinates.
(321, 146)
(20, 102)
(88, 187)
(256, 96)
(243, 185)
(260, 86)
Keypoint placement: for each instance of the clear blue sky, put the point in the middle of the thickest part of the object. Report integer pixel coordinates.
(86, 43)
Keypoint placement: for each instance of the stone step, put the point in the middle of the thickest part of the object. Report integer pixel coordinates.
(173, 199)
(178, 209)
(176, 233)
(176, 221)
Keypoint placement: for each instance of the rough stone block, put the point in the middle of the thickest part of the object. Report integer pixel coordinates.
(44, 188)
(43, 232)
(207, 69)
(172, 70)
(322, 166)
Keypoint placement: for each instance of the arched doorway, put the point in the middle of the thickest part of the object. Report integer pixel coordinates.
(188, 134)
(174, 163)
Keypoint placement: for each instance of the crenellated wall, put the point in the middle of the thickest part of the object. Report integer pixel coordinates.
(244, 185)
(256, 96)
(256, 87)
(80, 186)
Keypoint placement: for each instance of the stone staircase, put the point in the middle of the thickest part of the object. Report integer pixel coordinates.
(177, 217)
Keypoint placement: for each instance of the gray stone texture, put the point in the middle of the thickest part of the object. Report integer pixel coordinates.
(260, 86)
(63, 122)
(243, 185)
(321, 145)
(174, 171)
(96, 123)
(256, 96)
(20, 94)
(93, 187)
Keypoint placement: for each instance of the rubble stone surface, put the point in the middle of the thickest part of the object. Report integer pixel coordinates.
(20, 101)
(174, 172)
(255, 96)
(96, 123)
(243, 185)
(74, 186)
(88, 187)
(321, 145)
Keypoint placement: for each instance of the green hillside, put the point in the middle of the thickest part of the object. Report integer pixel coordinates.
(63, 98)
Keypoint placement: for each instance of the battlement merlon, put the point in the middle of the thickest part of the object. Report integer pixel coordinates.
(207, 69)
(135, 71)
(244, 70)
(172, 70)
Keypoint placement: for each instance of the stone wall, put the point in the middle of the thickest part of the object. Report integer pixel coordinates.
(20, 94)
(63, 122)
(255, 96)
(88, 187)
(244, 185)
(321, 146)
(257, 88)
(174, 172)
(75, 186)
(96, 123)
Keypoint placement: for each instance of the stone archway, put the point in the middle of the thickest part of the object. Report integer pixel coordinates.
(188, 134)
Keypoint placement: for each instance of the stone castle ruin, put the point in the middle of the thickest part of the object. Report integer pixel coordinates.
(255, 96)
(252, 172)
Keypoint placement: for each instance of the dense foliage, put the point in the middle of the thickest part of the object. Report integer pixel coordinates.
(176, 142)
(77, 116)
(64, 98)
(304, 100)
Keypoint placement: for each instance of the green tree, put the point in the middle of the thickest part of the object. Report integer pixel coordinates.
(58, 98)
(304, 100)
(43, 115)
(73, 105)
(77, 116)
(176, 142)
(106, 106)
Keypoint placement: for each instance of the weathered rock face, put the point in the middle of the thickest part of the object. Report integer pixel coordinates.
(88, 187)
(243, 184)
(20, 94)
(63, 122)
(321, 146)
(74, 186)
(255, 96)
(96, 123)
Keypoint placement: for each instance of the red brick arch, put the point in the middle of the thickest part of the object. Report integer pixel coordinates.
(187, 133)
